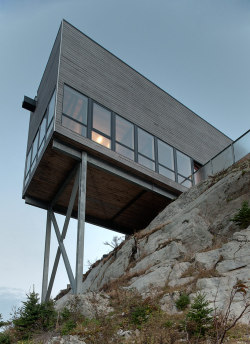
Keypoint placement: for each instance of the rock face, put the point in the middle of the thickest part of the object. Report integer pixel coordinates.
(191, 245)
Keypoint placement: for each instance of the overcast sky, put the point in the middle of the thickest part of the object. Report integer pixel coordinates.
(198, 51)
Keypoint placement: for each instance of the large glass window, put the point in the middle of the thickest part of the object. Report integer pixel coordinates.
(75, 111)
(146, 144)
(124, 132)
(165, 155)
(183, 164)
(28, 162)
(101, 126)
(51, 108)
(75, 105)
(124, 136)
(101, 119)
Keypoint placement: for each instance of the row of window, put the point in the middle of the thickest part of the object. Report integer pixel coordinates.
(40, 138)
(90, 119)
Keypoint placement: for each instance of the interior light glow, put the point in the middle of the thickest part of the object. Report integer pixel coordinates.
(99, 139)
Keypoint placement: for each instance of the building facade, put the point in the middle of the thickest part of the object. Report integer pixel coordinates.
(143, 145)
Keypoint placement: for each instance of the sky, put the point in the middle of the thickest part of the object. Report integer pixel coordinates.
(197, 51)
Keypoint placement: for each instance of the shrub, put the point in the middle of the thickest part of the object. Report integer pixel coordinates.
(140, 314)
(199, 320)
(242, 218)
(182, 302)
(5, 338)
(32, 316)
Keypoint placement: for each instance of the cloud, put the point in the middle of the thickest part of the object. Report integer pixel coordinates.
(10, 298)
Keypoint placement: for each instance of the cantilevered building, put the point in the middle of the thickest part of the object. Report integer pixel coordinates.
(131, 146)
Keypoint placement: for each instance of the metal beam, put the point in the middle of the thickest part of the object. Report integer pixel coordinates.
(46, 258)
(81, 222)
(102, 165)
(63, 252)
(64, 232)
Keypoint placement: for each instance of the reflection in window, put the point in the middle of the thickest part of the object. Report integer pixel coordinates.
(28, 162)
(42, 130)
(165, 155)
(51, 108)
(185, 182)
(34, 149)
(74, 126)
(145, 144)
(124, 151)
(102, 140)
(166, 172)
(101, 119)
(75, 105)
(183, 164)
(124, 132)
(146, 162)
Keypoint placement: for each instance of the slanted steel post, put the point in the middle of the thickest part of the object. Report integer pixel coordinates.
(46, 257)
(81, 223)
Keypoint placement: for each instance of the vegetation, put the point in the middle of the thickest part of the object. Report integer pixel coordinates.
(182, 302)
(242, 218)
(142, 318)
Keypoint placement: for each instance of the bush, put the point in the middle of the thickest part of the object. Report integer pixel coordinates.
(33, 317)
(242, 218)
(5, 338)
(199, 320)
(182, 302)
(140, 314)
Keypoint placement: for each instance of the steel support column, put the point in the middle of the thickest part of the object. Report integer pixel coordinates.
(81, 222)
(46, 257)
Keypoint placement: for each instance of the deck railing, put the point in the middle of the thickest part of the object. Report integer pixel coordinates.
(231, 154)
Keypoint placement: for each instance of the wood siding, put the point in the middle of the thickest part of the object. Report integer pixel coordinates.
(45, 89)
(92, 70)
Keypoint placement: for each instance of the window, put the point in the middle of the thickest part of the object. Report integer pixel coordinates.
(124, 136)
(183, 164)
(101, 126)
(101, 119)
(51, 108)
(165, 155)
(145, 144)
(75, 111)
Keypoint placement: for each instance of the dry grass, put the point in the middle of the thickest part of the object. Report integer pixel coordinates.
(145, 233)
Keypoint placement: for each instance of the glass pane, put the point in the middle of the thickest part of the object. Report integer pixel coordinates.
(41, 147)
(34, 150)
(75, 105)
(27, 178)
(184, 182)
(49, 129)
(124, 132)
(74, 126)
(101, 119)
(223, 160)
(242, 147)
(42, 130)
(146, 162)
(124, 151)
(28, 162)
(165, 172)
(146, 143)
(51, 107)
(101, 139)
(165, 155)
(183, 164)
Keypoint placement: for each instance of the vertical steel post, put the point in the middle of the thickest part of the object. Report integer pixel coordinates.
(81, 223)
(46, 257)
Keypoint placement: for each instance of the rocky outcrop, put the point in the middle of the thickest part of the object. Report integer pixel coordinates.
(191, 245)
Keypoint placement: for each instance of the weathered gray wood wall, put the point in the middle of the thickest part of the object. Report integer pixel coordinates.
(89, 68)
(45, 89)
